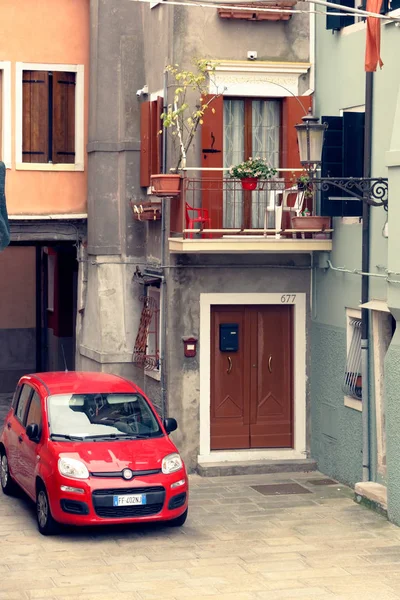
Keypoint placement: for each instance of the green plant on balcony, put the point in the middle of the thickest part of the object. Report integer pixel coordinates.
(251, 170)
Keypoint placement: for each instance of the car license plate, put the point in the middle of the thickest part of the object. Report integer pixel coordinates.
(129, 500)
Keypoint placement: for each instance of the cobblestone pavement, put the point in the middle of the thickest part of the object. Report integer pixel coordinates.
(237, 544)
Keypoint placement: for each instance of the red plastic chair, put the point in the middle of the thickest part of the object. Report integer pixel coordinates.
(200, 216)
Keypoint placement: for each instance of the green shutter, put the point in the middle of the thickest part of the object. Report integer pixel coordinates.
(336, 22)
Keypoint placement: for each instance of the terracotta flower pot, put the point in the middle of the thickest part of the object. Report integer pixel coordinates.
(165, 185)
(311, 223)
(249, 183)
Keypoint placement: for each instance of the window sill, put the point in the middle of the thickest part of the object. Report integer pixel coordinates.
(156, 375)
(48, 167)
(352, 403)
(353, 28)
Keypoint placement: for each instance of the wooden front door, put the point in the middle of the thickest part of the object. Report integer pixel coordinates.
(251, 379)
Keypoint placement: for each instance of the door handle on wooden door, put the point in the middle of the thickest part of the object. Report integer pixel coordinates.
(229, 369)
(270, 364)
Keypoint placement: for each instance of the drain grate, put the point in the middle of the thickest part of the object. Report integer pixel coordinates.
(281, 489)
(322, 482)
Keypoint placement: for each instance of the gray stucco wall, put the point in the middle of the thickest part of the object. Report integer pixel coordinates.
(336, 433)
(215, 274)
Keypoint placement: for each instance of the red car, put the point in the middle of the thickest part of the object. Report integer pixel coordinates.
(89, 448)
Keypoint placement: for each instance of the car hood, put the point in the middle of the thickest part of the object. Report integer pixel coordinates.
(111, 456)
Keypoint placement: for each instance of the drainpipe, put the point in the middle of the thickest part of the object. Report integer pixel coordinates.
(365, 281)
(164, 304)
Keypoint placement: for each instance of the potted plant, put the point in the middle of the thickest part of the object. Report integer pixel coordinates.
(182, 118)
(305, 220)
(250, 171)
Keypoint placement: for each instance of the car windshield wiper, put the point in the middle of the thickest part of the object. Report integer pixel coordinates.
(65, 436)
(117, 436)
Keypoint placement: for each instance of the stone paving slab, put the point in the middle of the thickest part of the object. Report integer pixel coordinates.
(236, 545)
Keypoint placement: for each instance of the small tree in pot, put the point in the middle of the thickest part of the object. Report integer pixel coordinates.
(182, 118)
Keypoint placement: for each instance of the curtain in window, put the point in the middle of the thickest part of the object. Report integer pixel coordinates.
(266, 117)
(233, 154)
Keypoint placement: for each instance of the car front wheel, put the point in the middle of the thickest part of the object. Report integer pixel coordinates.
(7, 484)
(46, 524)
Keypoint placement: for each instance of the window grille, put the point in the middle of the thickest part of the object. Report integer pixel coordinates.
(352, 377)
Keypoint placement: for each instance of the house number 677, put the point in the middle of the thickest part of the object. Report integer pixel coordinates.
(288, 298)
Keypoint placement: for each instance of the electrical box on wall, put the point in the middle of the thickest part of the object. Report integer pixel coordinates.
(190, 346)
(229, 337)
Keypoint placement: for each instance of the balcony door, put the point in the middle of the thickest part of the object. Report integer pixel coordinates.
(251, 377)
(251, 128)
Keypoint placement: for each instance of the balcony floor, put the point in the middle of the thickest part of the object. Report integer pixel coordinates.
(248, 244)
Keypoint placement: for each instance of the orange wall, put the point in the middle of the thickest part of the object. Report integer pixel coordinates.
(45, 31)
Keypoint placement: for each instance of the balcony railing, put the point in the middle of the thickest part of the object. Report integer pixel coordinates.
(214, 207)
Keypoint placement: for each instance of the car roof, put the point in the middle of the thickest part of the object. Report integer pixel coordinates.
(64, 382)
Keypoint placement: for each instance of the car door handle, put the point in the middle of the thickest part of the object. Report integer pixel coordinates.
(20, 439)
(8, 425)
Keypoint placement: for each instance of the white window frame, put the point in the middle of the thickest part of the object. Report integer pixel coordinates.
(351, 313)
(153, 291)
(79, 117)
(5, 67)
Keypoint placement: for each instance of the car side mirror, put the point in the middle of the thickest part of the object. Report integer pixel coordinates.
(170, 425)
(32, 432)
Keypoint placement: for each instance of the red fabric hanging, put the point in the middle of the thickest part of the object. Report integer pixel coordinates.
(373, 42)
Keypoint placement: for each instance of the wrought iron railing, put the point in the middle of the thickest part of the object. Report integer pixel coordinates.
(213, 205)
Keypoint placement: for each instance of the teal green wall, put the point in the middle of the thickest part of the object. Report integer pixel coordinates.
(340, 84)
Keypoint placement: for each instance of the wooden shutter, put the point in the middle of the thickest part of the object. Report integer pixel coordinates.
(293, 109)
(35, 116)
(353, 156)
(394, 4)
(332, 164)
(145, 145)
(342, 156)
(63, 114)
(156, 109)
(212, 145)
(336, 22)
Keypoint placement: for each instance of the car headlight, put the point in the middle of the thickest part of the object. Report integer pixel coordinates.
(171, 463)
(70, 467)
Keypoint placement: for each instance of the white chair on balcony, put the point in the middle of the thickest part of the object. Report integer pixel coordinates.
(297, 207)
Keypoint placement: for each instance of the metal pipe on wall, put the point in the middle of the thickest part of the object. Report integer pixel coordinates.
(163, 324)
(365, 281)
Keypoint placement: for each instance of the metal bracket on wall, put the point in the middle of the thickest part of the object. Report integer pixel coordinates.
(372, 191)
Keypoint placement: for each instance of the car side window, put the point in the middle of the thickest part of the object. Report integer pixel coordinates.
(16, 397)
(34, 411)
(23, 402)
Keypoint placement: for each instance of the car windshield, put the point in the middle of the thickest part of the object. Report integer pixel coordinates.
(101, 416)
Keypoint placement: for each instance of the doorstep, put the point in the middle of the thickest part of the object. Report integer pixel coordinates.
(371, 494)
(253, 467)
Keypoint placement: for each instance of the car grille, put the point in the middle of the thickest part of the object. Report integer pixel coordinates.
(103, 502)
(124, 512)
(130, 490)
(119, 473)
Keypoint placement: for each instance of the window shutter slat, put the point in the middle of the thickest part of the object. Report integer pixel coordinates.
(63, 124)
(35, 116)
(145, 146)
(212, 145)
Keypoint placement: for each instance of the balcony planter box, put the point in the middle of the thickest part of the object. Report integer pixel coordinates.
(255, 15)
(146, 211)
(312, 222)
(165, 185)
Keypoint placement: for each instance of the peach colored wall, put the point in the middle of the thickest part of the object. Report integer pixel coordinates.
(45, 31)
(17, 292)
